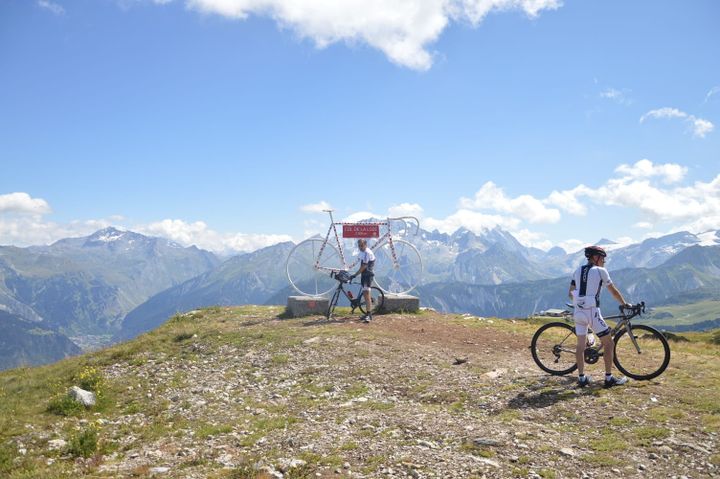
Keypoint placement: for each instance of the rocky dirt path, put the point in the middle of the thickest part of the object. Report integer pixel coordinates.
(243, 394)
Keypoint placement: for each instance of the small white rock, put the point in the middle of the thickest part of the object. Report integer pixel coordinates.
(566, 451)
(56, 444)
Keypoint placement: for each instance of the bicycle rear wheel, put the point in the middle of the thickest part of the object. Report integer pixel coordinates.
(376, 296)
(553, 348)
(649, 359)
(308, 270)
(401, 276)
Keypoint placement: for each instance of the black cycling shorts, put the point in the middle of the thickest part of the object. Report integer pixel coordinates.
(366, 279)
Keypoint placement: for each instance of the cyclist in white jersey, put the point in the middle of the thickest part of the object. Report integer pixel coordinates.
(585, 288)
(366, 272)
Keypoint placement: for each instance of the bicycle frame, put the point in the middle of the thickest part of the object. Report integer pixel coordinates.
(623, 321)
(387, 237)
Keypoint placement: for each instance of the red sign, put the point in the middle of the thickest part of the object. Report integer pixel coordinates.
(361, 231)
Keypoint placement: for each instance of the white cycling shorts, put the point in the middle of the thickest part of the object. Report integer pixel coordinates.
(590, 317)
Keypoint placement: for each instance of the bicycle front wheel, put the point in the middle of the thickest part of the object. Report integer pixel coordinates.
(646, 357)
(553, 348)
(309, 264)
(377, 298)
(398, 273)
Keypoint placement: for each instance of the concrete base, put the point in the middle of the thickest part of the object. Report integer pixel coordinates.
(298, 306)
(399, 303)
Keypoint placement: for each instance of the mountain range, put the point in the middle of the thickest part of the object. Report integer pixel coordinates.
(113, 285)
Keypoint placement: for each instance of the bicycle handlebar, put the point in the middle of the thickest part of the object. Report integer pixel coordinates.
(631, 310)
(634, 309)
(342, 276)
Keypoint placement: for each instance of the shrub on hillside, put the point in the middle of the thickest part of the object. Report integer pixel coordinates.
(84, 444)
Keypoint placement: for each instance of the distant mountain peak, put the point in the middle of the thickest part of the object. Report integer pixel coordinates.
(605, 241)
(107, 235)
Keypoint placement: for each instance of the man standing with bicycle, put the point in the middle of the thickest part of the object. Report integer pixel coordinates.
(585, 289)
(367, 265)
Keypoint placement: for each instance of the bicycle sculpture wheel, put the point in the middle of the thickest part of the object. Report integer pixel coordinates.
(309, 264)
(398, 275)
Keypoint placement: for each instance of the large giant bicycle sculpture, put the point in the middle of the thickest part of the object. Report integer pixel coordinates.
(398, 266)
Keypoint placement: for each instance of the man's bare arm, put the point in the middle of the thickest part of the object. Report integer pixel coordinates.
(616, 293)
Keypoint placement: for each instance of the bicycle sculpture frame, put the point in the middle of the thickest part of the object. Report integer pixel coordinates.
(641, 352)
(398, 266)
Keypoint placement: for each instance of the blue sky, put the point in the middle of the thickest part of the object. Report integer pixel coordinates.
(226, 123)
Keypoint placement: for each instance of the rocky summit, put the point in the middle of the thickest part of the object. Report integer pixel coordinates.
(240, 392)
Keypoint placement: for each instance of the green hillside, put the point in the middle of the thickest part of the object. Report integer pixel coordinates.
(237, 392)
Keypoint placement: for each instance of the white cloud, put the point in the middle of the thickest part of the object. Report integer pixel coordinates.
(532, 239)
(316, 207)
(618, 96)
(472, 220)
(669, 172)
(401, 29)
(23, 223)
(52, 7)
(406, 209)
(568, 200)
(197, 233)
(665, 112)
(491, 197)
(23, 203)
(643, 225)
(634, 189)
(360, 216)
(713, 91)
(314, 227)
(572, 245)
(27, 230)
(699, 126)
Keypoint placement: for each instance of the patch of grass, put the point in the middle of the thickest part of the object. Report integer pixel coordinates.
(84, 443)
(279, 359)
(207, 430)
(378, 406)
(184, 336)
(605, 460)
(664, 414)
(471, 448)
(64, 405)
(715, 459)
(349, 446)
(7, 454)
(520, 472)
(547, 473)
(644, 436)
(509, 415)
(620, 421)
(357, 390)
(373, 462)
(607, 440)
(711, 422)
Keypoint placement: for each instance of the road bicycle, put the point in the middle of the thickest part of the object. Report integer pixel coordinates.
(357, 301)
(640, 352)
(398, 266)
